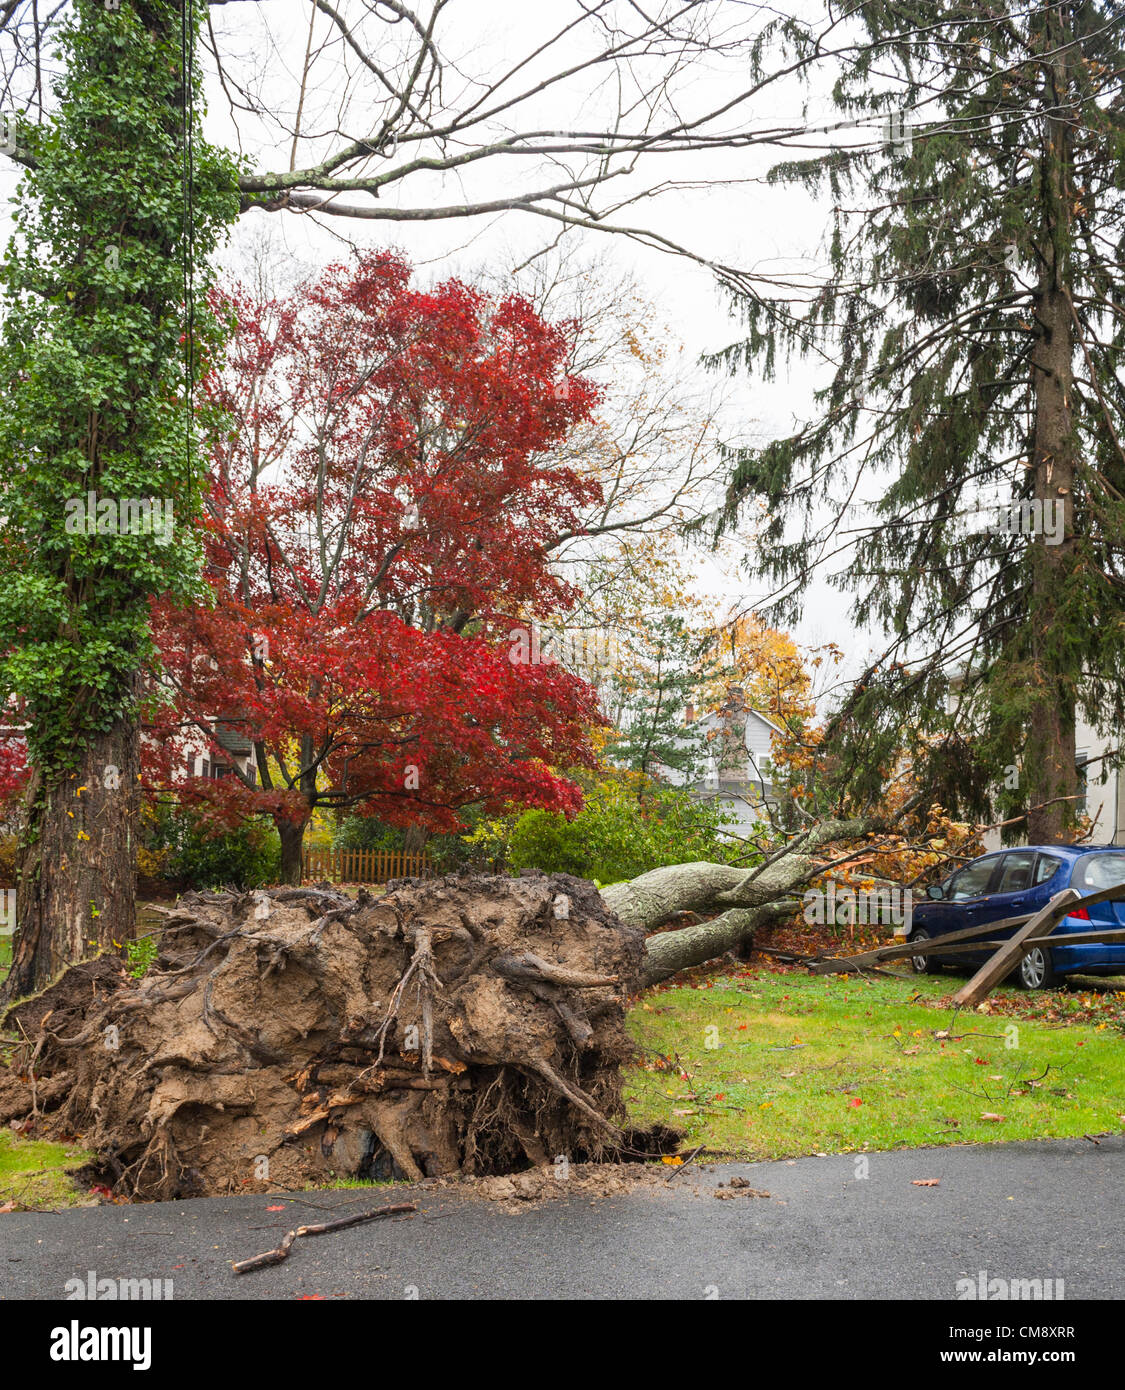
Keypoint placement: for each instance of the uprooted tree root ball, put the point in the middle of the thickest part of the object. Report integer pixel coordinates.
(472, 1024)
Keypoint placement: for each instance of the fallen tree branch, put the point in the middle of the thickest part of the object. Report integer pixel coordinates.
(275, 1257)
(672, 951)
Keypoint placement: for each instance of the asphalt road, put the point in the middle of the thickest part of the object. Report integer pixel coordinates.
(1050, 1210)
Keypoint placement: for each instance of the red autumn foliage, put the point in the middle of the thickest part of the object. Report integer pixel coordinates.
(13, 770)
(380, 509)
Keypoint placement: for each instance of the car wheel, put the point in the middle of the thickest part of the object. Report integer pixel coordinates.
(1035, 970)
(922, 965)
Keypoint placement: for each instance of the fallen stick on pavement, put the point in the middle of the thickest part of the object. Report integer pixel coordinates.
(275, 1257)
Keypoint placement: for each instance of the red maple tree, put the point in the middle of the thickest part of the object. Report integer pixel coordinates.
(381, 501)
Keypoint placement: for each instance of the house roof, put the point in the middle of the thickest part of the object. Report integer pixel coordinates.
(714, 718)
(233, 741)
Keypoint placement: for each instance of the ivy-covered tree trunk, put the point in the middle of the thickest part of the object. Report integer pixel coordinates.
(100, 477)
(76, 870)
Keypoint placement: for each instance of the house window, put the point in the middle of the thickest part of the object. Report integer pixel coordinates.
(1082, 767)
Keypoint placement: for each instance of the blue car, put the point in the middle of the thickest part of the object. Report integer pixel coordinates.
(1017, 883)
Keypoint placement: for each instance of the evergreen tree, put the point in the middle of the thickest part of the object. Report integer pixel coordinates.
(974, 313)
(663, 668)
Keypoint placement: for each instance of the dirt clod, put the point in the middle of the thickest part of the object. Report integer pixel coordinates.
(738, 1187)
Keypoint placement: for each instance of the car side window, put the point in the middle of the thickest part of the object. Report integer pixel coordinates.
(1046, 868)
(972, 881)
(1015, 873)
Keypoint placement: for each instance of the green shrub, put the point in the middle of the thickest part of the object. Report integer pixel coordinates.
(141, 954)
(194, 852)
(618, 836)
(367, 832)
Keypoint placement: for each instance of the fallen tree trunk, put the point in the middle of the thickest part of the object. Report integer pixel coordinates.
(667, 953)
(752, 898)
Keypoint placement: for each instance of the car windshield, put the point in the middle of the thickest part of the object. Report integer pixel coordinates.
(973, 880)
(1094, 872)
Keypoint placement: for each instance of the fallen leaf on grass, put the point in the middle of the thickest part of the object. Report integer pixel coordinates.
(988, 1115)
(6, 1207)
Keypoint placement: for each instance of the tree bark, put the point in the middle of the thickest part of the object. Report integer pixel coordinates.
(292, 836)
(76, 884)
(668, 953)
(415, 839)
(1049, 759)
(752, 898)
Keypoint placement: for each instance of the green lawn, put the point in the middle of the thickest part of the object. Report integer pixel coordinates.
(33, 1172)
(777, 1065)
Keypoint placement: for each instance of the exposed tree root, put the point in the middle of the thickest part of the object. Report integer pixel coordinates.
(459, 1025)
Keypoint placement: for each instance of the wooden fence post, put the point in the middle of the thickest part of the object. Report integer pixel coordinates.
(997, 966)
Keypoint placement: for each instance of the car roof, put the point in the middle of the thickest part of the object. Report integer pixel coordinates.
(1066, 849)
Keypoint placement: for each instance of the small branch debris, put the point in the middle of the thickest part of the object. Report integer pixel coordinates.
(275, 1257)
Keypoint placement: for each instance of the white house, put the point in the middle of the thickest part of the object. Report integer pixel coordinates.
(1102, 790)
(736, 771)
(237, 751)
(1104, 799)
